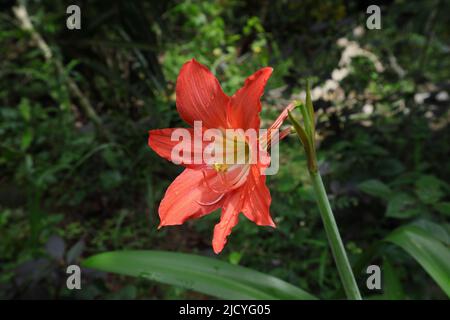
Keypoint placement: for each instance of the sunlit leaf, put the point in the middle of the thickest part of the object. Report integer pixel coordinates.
(206, 275)
(439, 231)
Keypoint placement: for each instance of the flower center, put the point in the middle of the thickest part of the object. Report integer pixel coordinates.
(220, 167)
(230, 150)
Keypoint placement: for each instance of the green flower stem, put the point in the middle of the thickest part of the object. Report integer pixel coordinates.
(306, 135)
(334, 238)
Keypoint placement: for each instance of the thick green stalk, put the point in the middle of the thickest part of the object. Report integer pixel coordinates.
(334, 238)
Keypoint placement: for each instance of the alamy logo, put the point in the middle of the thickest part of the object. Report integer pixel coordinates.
(227, 151)
(374, 20)
(374, 280)
(74, 20)
(74, 278)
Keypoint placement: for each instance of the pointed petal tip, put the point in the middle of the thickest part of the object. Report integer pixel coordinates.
(271, 223)
(246, 102)
(150, 140)
(218, 245)
(191, 63)
(192, 60)
(199, 95)
(268, 69)
(153, 134)
(195, 62)
(162, 221)
(217, 249)
(266, 72)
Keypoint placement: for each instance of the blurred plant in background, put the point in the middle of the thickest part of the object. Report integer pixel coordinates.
(76, 181)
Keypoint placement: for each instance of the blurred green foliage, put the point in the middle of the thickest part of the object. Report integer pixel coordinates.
(68, 190)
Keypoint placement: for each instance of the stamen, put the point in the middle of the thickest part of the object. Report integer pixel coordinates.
(219, 167)
(265, 140)
(212, 202)
(208, 185)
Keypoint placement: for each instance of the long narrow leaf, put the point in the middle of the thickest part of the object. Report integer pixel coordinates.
(428, 251)
(206, 275)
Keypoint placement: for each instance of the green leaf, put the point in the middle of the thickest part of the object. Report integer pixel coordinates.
(206, 275)
(25, 109)
(75, 252)
(27, 138)
(392, 285)
(428, 189)
(402, 206)
(443, 207)
(439, 231)
(427, 250)
(375, 188)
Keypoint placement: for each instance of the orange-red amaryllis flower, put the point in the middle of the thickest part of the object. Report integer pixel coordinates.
(203, 188)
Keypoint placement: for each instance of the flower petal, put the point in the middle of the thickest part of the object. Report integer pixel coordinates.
(200, 97)
(258, 199)
(188, 197)
(228, 219)
(246, 104)
(163, 142)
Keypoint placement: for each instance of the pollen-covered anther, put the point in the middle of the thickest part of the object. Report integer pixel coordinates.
(220, 167)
